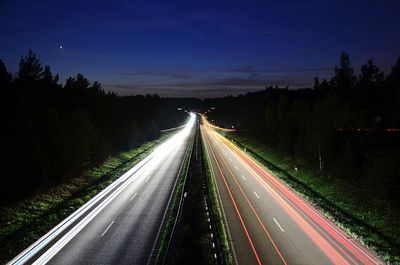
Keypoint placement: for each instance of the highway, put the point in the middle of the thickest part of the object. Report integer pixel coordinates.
(122, 224)
(267, 222)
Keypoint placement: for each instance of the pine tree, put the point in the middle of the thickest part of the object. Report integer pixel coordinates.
(344, 78)
(30, 68)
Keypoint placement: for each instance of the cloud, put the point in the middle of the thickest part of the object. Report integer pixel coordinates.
(244, 69)
(179, 91)
(212, 82)
(254, 69)
(177, 74)
(207, 87)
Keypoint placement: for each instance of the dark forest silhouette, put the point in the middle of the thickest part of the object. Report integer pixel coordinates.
(52, 132)
(345, 128)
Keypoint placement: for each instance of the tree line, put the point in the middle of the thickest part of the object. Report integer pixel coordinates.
(345, 128)
(52, 132)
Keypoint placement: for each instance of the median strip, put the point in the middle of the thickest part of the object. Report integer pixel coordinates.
(219, 215)
(169, 225)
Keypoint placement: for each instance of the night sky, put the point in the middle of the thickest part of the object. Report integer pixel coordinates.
(199, 48)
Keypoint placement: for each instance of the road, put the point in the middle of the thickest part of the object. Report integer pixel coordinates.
(267, 222)
(122, 224)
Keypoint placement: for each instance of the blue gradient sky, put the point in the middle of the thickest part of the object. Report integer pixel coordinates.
(199, 48)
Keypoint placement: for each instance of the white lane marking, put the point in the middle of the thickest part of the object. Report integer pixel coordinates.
(243, 177)
(280, 227)
(147, 179)
(88, 213)
(134, 195)
(108, 227)
(255, 193)
(213, 245)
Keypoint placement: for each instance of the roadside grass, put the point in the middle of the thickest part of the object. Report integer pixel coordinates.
(192, 232)
(23, 222)
(215, 203)
(337, 200)
(173, 211)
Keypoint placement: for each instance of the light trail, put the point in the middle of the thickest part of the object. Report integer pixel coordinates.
(235, 205)
(330, 239)
(44, 249)
(262, 176)
(250, 204)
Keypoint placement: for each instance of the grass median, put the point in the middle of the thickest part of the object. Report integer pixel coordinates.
(215, 203)
(23, 222)
(335, 199)
(173, 209)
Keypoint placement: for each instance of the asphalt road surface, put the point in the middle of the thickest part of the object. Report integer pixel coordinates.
(267, 222)
(122, 225)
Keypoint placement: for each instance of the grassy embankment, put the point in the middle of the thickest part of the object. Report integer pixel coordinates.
(192, 233)
(336, 199)
(173, 209)
(23, 222)
(215, 203)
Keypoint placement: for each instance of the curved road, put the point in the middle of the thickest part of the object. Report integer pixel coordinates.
(268, 223)
(122, 224)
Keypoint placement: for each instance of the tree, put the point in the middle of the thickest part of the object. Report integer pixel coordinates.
(30, 68)
(316, 83)
(344, 77)
(370, 75)
(394, 76)
(47, 76)
(80, 82)
(5, 77)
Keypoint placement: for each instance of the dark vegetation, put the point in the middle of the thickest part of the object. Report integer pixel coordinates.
(345, 130)
(216, 213)
(192, 243)
(174, 209)
(23, 222)
(53, 132)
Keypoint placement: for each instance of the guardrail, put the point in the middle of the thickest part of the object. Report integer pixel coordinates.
(186, 160)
